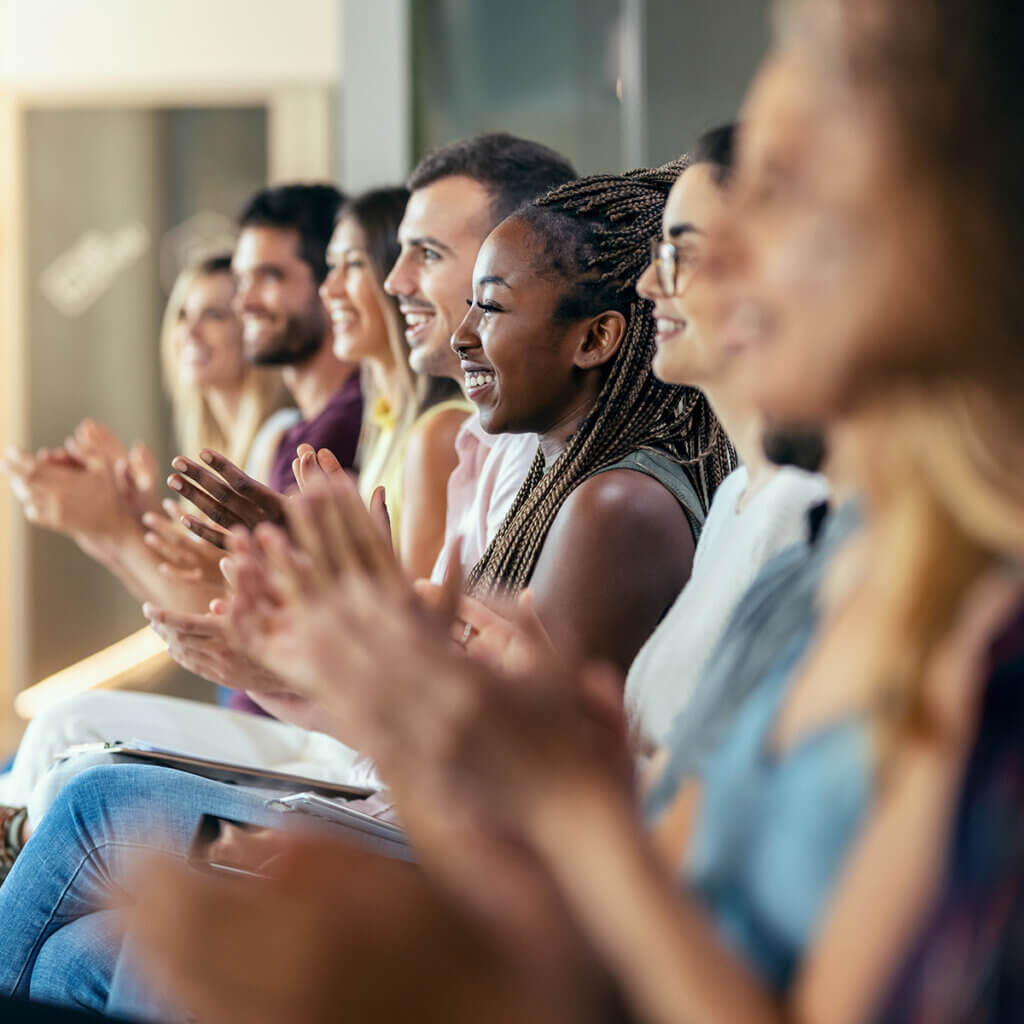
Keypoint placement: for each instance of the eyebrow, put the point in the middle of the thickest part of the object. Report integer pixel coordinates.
(260, 268)
(678, 230)
(433, 243)
(493, 279)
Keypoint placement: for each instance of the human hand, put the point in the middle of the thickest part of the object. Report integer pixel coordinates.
(271, 948)
(508, 635)
(309, 465)
(185, 556)
(224, 494)
(203, 644)
(95, 439)
(67, 493)
(137, 476)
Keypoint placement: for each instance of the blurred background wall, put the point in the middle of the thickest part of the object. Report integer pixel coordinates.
(131, 130)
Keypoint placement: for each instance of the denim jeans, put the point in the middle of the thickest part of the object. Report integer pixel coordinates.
(58, 942)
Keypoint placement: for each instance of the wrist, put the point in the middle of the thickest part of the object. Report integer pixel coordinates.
(577, 804)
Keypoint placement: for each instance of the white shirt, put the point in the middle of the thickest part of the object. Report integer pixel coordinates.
(490, 472)
(733, 546)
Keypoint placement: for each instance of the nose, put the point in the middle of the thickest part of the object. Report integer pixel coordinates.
(400, 281)
(332, 285)
(647, 285)
(465, 336)
(244, 298)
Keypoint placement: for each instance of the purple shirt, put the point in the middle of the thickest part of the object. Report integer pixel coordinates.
(336, 428)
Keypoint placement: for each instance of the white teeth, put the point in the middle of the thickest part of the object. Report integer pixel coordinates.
(417, 319)
(666, 326)
(478, 380)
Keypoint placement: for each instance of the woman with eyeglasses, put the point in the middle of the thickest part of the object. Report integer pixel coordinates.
(760, 508)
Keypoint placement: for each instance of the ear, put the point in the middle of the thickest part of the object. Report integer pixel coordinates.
(600, 341)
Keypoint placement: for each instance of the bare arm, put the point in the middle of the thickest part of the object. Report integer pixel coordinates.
(429, 461)
(618, 553)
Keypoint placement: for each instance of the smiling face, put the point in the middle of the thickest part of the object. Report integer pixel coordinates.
(524, 368)
(689, 323)
(208, 334)
(352, 296)
(440, 235)
(283, 319)
(829, 250)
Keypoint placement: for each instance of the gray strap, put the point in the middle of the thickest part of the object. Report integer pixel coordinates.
(670, 474)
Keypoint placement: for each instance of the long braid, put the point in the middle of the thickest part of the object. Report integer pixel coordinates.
(597, 230)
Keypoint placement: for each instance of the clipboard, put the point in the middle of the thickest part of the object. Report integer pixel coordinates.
(219, 771)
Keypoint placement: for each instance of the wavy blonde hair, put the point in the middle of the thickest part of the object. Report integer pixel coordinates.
(945, 478)
(194, 422)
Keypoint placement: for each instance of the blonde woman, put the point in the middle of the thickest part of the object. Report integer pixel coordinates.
(218, 401)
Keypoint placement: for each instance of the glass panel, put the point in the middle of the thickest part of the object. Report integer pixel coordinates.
(117, 200)
(541, 69)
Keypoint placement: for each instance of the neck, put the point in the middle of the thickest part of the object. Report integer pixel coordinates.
(745, 428)
(224, 405)
(554, 439)
(313, 382)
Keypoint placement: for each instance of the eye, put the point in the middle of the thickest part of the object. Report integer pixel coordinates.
(487, 307)
(429, 255)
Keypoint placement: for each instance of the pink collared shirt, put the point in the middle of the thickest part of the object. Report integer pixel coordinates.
(481, 489)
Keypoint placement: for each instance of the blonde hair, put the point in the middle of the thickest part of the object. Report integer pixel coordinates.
(946, 493)
(194, 422)
(945, 474)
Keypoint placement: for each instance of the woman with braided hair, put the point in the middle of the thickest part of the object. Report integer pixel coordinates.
(557, 342)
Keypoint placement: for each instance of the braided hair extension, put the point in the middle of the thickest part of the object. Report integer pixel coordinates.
(596, 233)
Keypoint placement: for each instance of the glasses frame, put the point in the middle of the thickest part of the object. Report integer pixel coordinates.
(665, 260)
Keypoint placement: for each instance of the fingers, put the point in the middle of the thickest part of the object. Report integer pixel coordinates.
(204, 531)
(266, 500)
(293, 578)
(144, 466)
(328, 462)
(163, 537)
(380, 516)
(216, 498)
(201, 627)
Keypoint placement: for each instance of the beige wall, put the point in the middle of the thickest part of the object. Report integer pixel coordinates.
(125, 54)
(134, 44)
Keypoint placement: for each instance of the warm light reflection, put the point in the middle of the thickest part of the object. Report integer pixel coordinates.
(141, 653)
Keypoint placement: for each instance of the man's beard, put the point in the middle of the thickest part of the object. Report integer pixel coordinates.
(300, 340)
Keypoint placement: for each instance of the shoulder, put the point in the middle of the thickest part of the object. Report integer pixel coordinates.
(435, 433)
(430, 450)
(624, 503)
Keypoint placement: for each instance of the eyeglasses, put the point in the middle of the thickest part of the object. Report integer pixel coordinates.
(669, 261)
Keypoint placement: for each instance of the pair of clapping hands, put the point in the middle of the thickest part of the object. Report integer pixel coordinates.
(88, 487)
(97, 491)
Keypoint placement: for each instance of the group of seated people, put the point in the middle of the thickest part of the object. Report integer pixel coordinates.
(642, 556)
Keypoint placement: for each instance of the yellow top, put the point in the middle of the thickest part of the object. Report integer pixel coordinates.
(385, 463)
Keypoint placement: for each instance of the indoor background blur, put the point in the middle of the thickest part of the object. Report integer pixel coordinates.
(131, 131)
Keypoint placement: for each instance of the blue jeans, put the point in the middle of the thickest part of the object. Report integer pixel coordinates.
(58, 942)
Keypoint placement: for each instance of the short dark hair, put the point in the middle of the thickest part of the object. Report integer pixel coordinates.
(513, 170)
(308, 209)
(717, 147)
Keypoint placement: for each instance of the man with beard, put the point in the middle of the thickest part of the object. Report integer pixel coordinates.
(279, 264)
